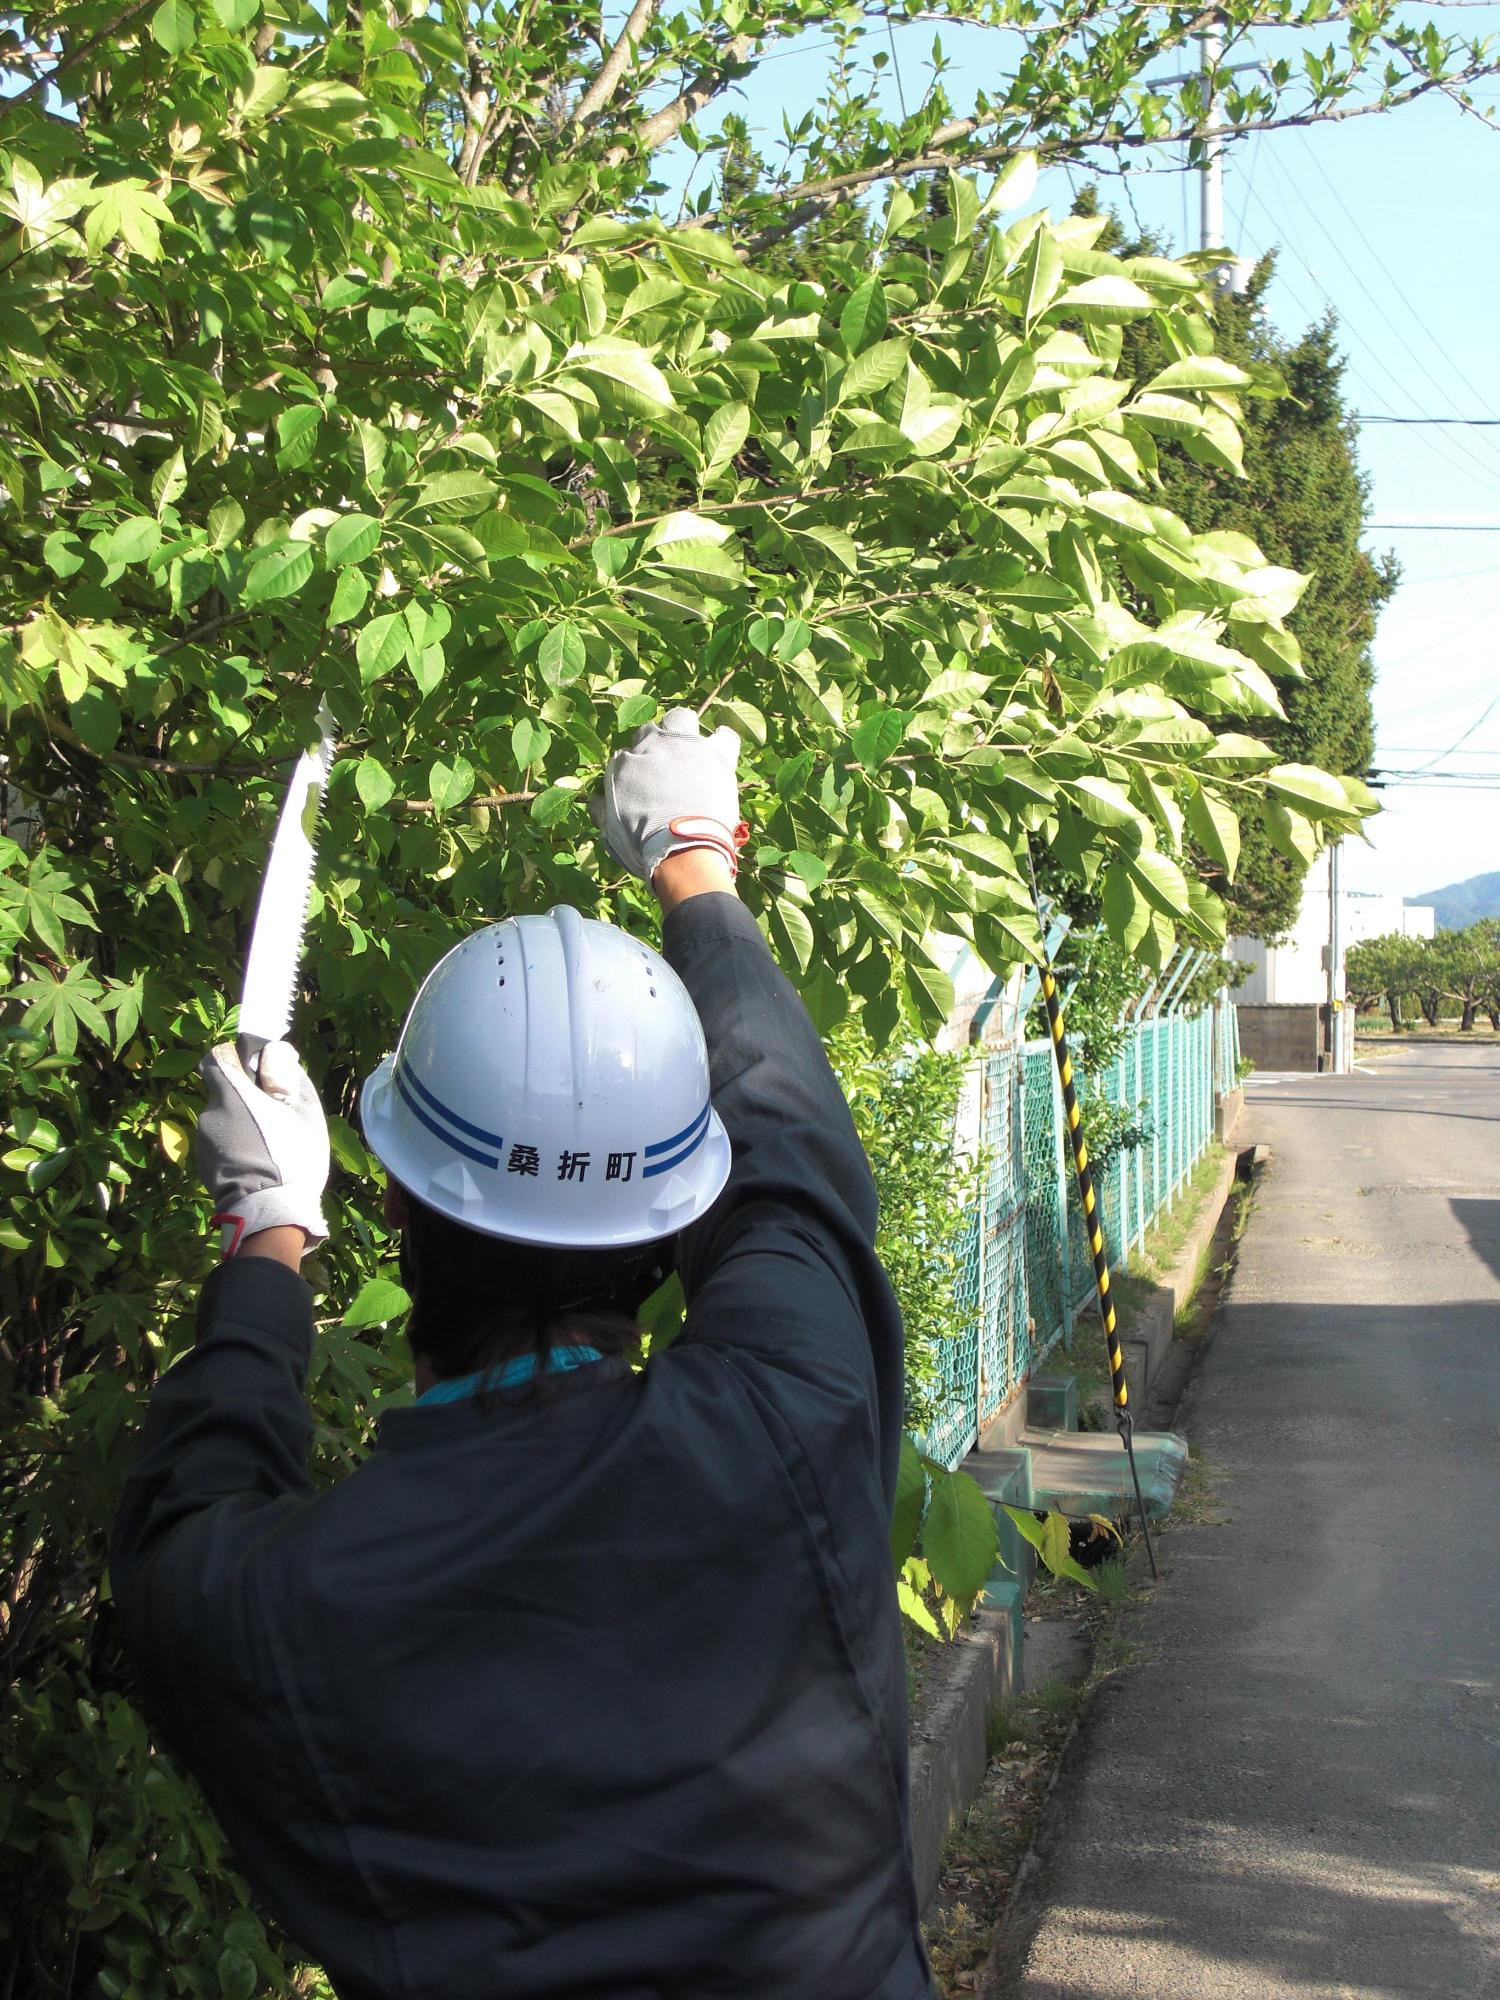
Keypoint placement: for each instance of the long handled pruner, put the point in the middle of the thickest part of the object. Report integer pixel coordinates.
(1093, 1224)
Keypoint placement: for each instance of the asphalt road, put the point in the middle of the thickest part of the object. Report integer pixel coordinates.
(1298, 1791)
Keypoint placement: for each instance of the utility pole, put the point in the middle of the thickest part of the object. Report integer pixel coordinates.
(1232, 273)
(1211, 174)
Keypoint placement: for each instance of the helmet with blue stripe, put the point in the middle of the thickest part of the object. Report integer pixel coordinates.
(551, 1086)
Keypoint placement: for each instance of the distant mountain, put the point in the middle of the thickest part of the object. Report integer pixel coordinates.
(1464, 903)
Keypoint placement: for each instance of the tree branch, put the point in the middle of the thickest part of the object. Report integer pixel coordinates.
(75, 56)
(600, 92)
(494, 799)
(813, 198)
(704, 88)
(166, 766)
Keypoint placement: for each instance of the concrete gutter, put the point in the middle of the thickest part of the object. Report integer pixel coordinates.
(1148, 1339)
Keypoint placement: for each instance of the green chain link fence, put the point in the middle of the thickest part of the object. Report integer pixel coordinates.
(1026, 1271)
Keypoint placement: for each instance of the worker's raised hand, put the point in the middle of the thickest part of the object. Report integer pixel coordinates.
(263, 1145)
(673, 789)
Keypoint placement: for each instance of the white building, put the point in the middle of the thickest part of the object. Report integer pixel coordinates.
(1296, 972)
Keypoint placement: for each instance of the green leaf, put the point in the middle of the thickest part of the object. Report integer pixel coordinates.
(724, 436)
(877, 737)
(1200, 371)
(960, 1543)
(876, 368)
(791, 933)
(175, 26)
(448, 785)
(350, 595)
(634, 710)
(236, 14)
(1105, 301)
(864, 317)
(297, 435)
(266, 88)
(930, 991)
(273, 225)
(327, 105)
(529, 741)
(1127, 914)
(1044, 274)
(561, 656)
(280, 572)
(1315, 792)
(378, 1301)
(1051, 1537)
(1102, 802)
(638, 385)
(62, 552)
(913, 1608)
(1162, 883)
(351, 539)
(1215, 828)
(96, 717)
(169, 482)
(812, 870)
(457, 495)
(135, 540)
(911, 1494)
(548, 807)
(380, 646)
(374, 783)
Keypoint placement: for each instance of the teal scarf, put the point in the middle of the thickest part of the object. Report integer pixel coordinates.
(521, 1369)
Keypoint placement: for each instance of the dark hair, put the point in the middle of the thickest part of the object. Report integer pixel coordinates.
(478, 1301)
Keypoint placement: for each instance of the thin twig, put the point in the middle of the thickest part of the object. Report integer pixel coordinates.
(167, 766)
(709, 699)
(494, 799)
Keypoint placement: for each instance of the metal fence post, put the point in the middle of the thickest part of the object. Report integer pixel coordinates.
(1137, 1053)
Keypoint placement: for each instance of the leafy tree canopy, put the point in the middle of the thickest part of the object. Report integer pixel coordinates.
(344, 354)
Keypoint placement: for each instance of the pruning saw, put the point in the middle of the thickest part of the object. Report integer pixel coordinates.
(281, 916)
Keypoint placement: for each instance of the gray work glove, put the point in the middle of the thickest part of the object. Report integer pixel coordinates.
(674, 788)
(262, 1145)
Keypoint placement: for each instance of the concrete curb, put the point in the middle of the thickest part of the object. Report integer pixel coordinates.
(948, 1764)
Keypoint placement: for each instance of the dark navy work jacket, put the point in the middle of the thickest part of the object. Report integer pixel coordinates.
(597, 1698)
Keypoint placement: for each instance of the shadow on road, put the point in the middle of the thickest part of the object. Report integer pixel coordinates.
(1481, 1223)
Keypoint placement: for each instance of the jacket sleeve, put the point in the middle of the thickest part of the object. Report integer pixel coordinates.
(784, 1264)
(223, 1461)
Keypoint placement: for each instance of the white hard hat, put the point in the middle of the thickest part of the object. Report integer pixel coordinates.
(551, 1085)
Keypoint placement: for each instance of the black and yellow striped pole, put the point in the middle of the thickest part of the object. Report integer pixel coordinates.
(1093, 1224)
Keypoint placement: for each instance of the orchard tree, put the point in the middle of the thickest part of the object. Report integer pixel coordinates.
(1383, 971)
(1466, 965)
(345, 355)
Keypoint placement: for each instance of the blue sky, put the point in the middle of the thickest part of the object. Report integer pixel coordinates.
(1395, 222)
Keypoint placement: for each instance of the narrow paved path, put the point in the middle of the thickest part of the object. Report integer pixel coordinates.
(1298, 1793)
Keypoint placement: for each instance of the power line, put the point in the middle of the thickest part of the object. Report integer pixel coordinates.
(1466, 423)
(1448, 576)
(1486, 469)
(1284, 237)
(1434, 528)
(1381, 265)
(1484, 715)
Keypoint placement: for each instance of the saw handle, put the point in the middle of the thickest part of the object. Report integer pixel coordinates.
(250, 1047)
